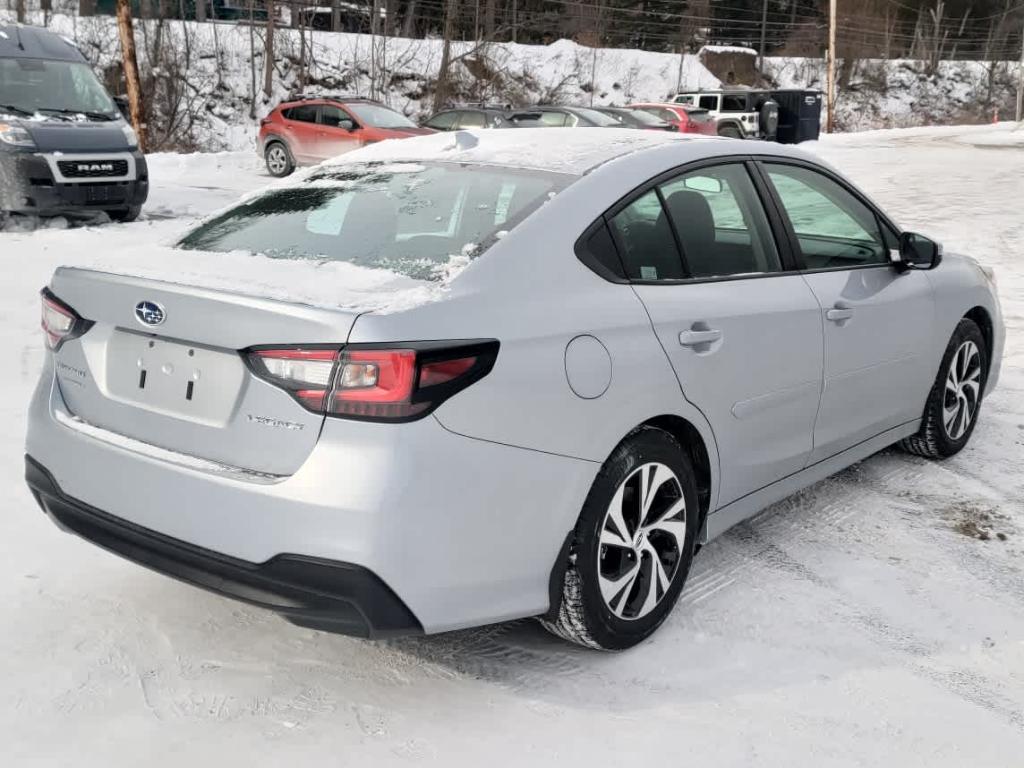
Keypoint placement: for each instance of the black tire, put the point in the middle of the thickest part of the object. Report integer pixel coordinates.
(125, 215)
(933, 440)
(730, 132)
(278, 159)
(584, 617)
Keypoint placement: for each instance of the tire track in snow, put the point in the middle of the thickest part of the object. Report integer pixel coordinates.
(919, 655)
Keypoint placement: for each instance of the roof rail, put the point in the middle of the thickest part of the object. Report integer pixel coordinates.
(329, 97)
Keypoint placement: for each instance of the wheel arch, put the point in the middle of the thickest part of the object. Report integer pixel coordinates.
(983, 320)
(694, 444)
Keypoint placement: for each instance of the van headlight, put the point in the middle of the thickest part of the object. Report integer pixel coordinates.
(130, 136)
(16, 136)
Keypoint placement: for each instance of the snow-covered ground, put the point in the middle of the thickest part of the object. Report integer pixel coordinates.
(857, 623)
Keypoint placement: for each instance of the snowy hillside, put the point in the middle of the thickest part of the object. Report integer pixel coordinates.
(215, 61)
(202, 77)
(900, 93)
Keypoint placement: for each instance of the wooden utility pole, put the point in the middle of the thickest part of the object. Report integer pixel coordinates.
(1020, 80)
(131, 71)
(830, 65)
(764, 27)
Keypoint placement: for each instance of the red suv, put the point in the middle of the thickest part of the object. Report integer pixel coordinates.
(686, 118)
(310, 129)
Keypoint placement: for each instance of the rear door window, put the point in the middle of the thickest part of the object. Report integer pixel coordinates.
(472, 120)
(721, 223)
(553, 119)
(734, 104)
(708, 102)
(305, 113)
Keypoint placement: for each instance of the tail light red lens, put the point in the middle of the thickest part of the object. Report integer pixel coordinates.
(59, 321)
(376, 383)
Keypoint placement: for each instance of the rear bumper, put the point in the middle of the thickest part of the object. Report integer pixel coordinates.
(465, 532)
(310, 592)
(34, 188)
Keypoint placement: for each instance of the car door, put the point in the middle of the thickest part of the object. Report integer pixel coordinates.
(742, 334)
(301, 131)
(877, 321)
(338, 134)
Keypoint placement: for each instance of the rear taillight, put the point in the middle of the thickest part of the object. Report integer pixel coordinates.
(372, 382)
(59, 321)
(305, 373)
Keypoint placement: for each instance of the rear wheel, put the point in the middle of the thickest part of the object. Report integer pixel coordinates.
(730, 132)
(279, 159)
(955, 398)
(632, 547)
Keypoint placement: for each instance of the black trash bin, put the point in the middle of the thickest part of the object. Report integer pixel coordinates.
(799, 115)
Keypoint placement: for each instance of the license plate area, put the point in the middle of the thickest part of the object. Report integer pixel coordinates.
(187, 381)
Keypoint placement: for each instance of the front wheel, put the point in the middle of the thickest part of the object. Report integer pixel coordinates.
(955, 398)
(125, 215)
(632, 546)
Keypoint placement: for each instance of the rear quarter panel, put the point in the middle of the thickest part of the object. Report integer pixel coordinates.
(531, 293)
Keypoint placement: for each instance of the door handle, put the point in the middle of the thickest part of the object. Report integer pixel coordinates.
(693, 338)
(839, 314)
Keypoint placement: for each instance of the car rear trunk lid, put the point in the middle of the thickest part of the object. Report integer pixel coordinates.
(162, 364)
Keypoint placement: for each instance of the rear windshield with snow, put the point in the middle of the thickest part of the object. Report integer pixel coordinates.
(411, 218)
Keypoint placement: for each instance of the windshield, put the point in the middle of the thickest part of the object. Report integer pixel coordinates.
(41, 86)
(599, 119)
(413, 219)
(380, 117)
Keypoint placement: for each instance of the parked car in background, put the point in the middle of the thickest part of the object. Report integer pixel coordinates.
(629, 117)
(686, 119)
(310, 129)
(659, 336)
(785, 115)
(65, 148)
(482, 116)
(574, 117)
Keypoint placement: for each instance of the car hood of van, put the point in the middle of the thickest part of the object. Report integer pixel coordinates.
(77, 136)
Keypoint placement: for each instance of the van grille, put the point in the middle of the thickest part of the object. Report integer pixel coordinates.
(92, 169)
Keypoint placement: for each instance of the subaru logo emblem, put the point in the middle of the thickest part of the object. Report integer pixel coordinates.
(149, 313)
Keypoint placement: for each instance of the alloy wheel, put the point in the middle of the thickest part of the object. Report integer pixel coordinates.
(277, 159)
(642, 538)
(963, 390)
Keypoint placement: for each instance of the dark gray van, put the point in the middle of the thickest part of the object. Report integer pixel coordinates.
(65, 149)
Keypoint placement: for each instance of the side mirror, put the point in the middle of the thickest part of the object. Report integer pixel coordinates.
(121, 102)
(347, 124)
(917, 252)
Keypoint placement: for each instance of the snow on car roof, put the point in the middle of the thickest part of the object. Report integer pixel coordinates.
(569, 150)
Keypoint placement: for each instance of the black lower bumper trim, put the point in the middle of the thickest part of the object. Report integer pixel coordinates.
(311, 592)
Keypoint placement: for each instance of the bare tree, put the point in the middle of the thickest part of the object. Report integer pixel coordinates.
(20, 11)
(443, 86)
(131, 70)
(268, 56)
